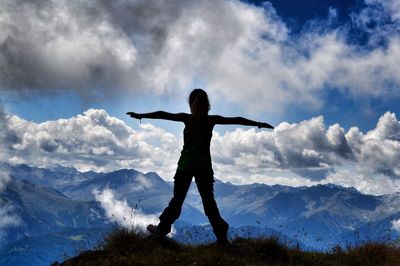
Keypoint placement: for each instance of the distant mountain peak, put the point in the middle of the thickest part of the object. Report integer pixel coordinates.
(336, 186)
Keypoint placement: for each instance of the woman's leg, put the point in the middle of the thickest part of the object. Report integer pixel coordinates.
(182, 182)
(205, 185)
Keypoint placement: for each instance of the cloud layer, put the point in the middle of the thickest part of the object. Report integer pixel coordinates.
(245, 54)
(305, 152)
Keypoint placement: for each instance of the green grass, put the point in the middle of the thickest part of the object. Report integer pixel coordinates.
(128, 248)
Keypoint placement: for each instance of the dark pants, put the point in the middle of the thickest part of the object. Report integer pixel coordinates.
(205, 185)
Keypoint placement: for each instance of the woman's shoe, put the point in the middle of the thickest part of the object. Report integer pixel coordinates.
(153, 229)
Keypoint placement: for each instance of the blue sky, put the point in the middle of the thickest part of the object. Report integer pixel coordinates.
(283, 62)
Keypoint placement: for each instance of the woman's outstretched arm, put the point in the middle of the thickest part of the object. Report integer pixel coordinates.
(160, 115)
(217, 119)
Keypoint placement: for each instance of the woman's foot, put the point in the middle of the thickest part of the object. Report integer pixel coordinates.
(222, 242)
(153, 229)
(222, 235)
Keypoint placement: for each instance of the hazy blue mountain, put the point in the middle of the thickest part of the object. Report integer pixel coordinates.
(57, 177)
(319, 216)
(41, 210)
(148, 192)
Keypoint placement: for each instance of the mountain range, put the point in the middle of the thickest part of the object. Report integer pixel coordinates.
(59, 205)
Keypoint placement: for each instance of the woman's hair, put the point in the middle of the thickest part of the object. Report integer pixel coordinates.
(199, 103)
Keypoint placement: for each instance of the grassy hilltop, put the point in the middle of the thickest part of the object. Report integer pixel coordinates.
(129, 248)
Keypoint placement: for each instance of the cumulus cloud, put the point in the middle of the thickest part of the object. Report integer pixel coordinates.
(62, 45)
(306, 148)
(7, 135)
(244, 53)
(120, 212)
(90, 141)
(378, 151)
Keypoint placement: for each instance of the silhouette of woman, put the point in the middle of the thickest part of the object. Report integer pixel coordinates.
(195, 160)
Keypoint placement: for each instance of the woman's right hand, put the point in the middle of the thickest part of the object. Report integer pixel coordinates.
(134, 115)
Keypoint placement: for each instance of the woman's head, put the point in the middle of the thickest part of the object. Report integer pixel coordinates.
(199, 103)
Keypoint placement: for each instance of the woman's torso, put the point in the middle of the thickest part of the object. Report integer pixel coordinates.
(195, 155)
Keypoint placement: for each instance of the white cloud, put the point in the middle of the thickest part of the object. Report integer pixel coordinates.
(120, 212)
(243, 53)
(142, 183)
(396, 225)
